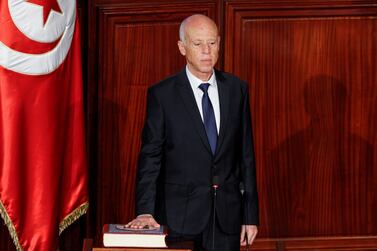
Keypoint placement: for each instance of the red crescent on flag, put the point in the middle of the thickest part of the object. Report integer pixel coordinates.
(9, 31)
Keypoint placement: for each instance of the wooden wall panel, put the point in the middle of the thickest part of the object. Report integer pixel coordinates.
(6, 242)
(315, 243)
(313, 87)
(137, 47)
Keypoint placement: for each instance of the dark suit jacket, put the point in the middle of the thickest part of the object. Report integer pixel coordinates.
(176, 166)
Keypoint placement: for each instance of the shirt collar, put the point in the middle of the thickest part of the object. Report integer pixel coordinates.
(195, 82)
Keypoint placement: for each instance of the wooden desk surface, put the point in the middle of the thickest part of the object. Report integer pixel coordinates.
(182, 246)
(140, 249)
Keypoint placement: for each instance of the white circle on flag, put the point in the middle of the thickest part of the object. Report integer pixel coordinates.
(29, 20)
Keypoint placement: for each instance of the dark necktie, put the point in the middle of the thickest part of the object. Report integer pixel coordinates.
(209, 118)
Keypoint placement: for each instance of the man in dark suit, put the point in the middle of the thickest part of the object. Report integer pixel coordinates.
(197, 148)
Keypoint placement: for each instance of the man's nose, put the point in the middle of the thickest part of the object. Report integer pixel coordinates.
(206, 49)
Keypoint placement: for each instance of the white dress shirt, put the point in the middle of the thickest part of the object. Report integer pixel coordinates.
(212, 93)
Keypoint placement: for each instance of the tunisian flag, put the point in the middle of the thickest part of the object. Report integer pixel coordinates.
(43, 172)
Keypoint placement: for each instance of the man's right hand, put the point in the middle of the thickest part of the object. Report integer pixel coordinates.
(143, 221)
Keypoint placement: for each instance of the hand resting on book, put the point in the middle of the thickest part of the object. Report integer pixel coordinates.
(144, 221)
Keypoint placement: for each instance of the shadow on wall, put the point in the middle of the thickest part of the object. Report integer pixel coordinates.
(321, 181)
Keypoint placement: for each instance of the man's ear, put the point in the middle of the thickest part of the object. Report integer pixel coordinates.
(181, 47)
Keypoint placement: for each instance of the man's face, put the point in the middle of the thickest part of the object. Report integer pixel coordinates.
(201, 48)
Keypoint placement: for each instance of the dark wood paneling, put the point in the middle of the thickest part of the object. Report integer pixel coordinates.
(137, 47)
(313, 87)
(318, 243)
(6, 242)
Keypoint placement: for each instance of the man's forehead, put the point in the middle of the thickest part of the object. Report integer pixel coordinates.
(204, 27)
(202, 32)
(199, 19)
(204, 39)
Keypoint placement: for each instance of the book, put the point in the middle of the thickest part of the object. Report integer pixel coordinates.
(118, 235)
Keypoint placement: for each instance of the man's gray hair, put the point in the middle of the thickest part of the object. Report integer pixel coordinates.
(182, 30)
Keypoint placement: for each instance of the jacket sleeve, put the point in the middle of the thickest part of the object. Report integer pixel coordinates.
(251, 212)
(149, 163)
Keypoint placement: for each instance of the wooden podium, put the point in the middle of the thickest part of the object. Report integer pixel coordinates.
(184, 246)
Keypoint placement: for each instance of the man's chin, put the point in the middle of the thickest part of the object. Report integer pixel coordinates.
(206, 69)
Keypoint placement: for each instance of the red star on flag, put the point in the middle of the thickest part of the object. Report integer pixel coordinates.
(48, 6)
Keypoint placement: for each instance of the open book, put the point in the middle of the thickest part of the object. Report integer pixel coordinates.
(117, 235)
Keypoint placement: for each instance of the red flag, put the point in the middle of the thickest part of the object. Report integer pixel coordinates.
(43, 172)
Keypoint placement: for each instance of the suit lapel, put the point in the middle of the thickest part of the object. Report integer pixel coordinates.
(224, 98)
(188, 98)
